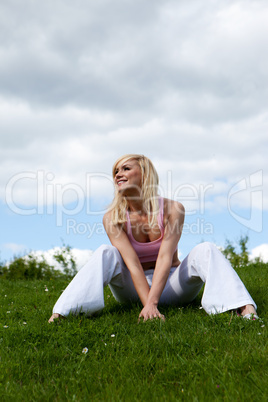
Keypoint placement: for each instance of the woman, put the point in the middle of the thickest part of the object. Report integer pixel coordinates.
(142, 263)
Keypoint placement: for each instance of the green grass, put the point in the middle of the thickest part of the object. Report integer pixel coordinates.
(191, 356)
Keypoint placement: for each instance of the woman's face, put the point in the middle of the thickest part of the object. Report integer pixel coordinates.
(128, 176)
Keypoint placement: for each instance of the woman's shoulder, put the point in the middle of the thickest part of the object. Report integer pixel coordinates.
(171, 204)
(107, 219)
(173, 208)
(108, 224)
(107, 215)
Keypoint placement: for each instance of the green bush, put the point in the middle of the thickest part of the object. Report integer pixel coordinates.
(237, 259)
(31, 267)
(65, 259)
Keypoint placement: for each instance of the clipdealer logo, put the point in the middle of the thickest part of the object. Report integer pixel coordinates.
(249, 189)
(50, 197)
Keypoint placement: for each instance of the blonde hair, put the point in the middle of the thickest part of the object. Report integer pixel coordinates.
(149, 191)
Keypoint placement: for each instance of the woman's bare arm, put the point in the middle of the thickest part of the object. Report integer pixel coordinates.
(173, 230)
(120, 240)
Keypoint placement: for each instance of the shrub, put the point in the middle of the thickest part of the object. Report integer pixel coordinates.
(65, 259)
(237, 259)
(32, 267)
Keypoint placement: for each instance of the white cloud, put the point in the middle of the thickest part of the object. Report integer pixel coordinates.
(69, 158)
(16, 249)
(261, 252)
(81, 257)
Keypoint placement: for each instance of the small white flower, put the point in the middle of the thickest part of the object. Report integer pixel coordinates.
(113, 335)
(8, 312)
(46, 289)
(259, 333)
(24, 323)
(85, 350)
(5, 326)
(262, 326)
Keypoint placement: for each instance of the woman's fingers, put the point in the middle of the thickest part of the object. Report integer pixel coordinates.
(150, 312)
(151, 316)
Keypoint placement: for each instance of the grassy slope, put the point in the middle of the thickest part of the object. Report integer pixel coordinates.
(192, 356)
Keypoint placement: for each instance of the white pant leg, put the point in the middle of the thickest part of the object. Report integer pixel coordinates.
(85, 291)
(205, 264)
(122, 287)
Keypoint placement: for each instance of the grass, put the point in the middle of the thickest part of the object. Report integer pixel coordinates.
(191, 356)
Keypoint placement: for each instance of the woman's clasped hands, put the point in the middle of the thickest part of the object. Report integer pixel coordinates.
(150, 312)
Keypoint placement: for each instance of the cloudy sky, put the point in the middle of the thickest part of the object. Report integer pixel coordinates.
(81, 83)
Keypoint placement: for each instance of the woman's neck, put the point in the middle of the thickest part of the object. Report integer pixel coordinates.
(136, 205)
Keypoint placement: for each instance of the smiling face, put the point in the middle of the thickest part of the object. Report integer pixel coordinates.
(127, 176)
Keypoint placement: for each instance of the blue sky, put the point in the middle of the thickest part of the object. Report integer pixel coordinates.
(84, 83)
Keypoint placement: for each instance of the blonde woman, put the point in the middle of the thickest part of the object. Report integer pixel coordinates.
(142, 262)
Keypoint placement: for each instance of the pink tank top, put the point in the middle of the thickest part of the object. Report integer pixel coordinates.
(148, 252)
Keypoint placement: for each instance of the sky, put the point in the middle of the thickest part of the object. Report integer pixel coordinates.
(82, 83)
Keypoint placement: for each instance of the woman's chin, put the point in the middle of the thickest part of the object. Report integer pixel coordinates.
(129, 190)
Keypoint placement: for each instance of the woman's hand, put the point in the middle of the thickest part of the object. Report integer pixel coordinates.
(149, 312)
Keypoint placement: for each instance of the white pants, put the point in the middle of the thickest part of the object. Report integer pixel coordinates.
(205, 264)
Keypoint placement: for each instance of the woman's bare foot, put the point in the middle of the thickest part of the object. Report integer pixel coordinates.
(248, 309)
(54, 316)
